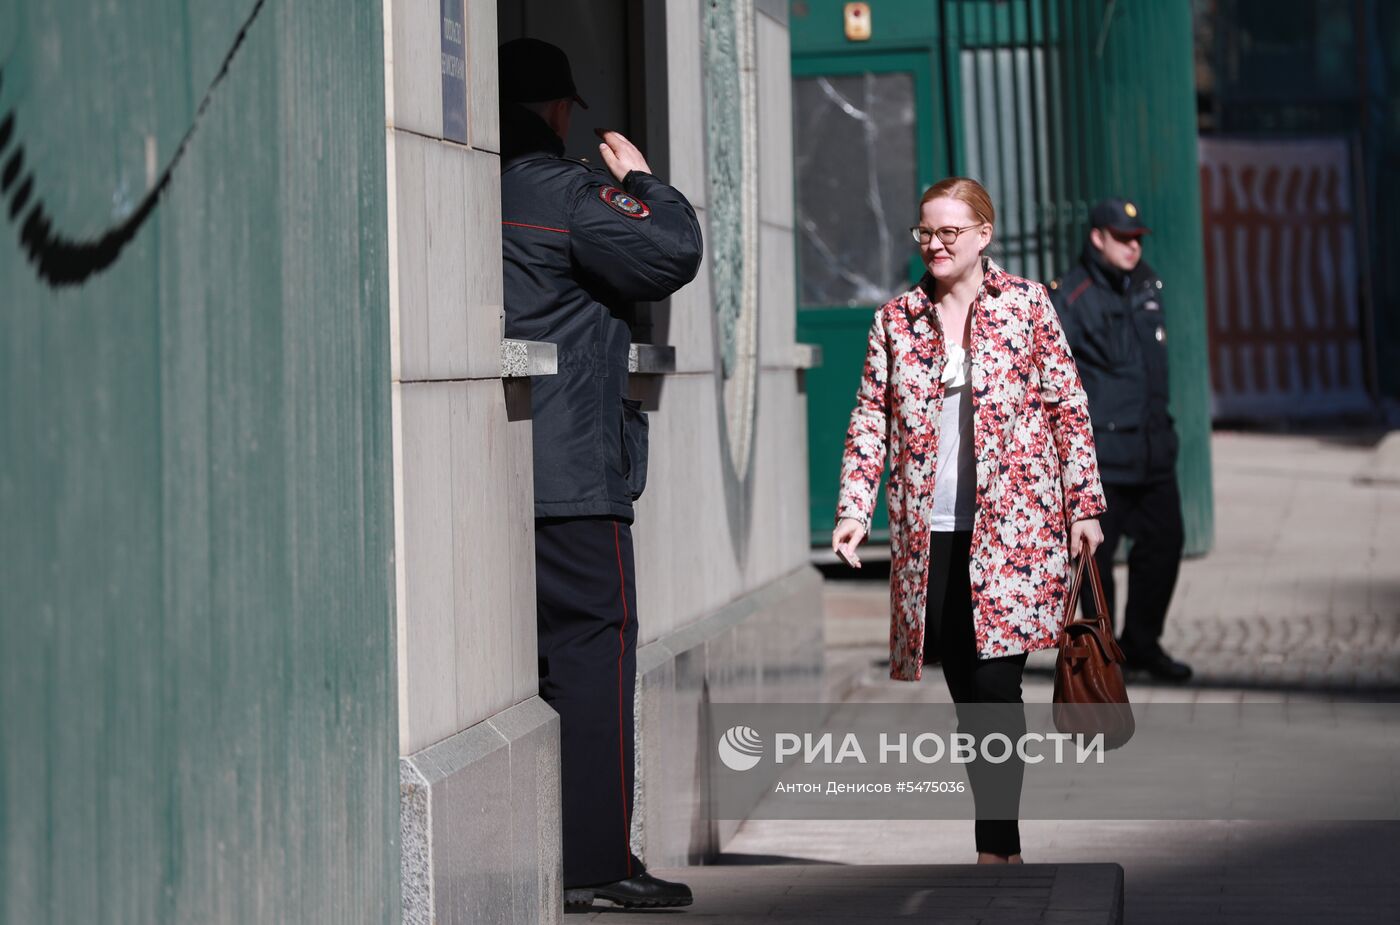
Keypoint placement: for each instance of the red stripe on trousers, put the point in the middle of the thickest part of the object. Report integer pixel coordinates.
(621, 746)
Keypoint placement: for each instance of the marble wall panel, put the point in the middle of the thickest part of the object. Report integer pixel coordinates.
(472, 827)
(685, 95)
(668, 585)
(691, 547)
(777, 10)
(774, 123)
(780, 508)
(764, 646)
(445, 192)
(690, 327)
(482, 810)
(657, 602)
(483, 110)
(796, 490)
(413, 69)
(484, 608)
(654, 711)
(535, 852)
(481, 259)
(467, 627)
(794, 652)
(427, 689)
(408, 262)
(672, 826)
(519, 539)
(777, 297)
(447, 268)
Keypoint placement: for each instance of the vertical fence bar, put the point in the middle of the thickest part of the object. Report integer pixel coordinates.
(964, 41)
(1038, 152)
(990, 46)
(1055, 117)
(1028, 152)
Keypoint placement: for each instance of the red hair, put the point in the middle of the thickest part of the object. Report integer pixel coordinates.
(967, 191)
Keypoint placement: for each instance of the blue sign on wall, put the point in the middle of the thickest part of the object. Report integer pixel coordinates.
(454, 72)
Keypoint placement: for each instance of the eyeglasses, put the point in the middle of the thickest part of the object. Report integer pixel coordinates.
(947, 234)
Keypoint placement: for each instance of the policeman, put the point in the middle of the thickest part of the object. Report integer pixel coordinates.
(580, 245)
(1110, 306)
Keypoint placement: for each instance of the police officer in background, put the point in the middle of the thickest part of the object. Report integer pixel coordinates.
(1110, 306)
(580, 245)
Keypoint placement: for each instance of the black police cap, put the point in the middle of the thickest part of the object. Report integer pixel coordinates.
(532, 71)
(1119, 215)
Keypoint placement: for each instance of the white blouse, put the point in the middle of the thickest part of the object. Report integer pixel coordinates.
(955, 480)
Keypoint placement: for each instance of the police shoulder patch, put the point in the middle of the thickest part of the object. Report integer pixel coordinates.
(620, 201)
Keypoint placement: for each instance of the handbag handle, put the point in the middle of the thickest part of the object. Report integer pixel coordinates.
(1087, 562)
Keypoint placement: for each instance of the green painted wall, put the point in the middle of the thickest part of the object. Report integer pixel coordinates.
(196, 610)
(1129, 96)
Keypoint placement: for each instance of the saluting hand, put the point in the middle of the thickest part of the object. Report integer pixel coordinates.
(621, 156)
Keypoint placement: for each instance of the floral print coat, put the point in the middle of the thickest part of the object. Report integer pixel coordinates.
(1034, 449)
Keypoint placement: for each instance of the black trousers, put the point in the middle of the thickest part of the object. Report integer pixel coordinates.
(972, 680)
(586, 594)
(1150, 515)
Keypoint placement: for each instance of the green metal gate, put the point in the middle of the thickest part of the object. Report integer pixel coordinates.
(1052, 104)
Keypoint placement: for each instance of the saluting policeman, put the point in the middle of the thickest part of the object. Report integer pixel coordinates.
(581, 244)
(1110, 306)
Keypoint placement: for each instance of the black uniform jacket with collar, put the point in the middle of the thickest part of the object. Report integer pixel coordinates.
(578, 248)
(1116, 328)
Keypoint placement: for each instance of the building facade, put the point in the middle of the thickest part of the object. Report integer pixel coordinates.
(1300, 151)
(267, 636)
(1053, 105)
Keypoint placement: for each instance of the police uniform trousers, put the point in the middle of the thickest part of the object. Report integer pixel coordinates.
(1150, 515)
(586, 593)
(949, 637)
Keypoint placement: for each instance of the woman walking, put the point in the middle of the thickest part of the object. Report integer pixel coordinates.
(970, 390)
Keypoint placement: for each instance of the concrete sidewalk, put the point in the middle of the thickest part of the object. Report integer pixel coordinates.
(1300, 600)
(764, 894)
(1300, 594)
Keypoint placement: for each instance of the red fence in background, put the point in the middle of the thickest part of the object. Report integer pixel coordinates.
(1283, 281)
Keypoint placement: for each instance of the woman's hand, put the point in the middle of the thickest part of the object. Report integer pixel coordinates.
(845, 538)
(1085, 532)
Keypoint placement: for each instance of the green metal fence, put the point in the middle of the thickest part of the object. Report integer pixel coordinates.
(1052, 104)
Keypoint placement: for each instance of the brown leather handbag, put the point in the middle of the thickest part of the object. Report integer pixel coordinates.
(1090, 696)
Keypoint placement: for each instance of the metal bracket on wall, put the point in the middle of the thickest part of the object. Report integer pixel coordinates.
(520, 358)
(651, 359)
(806, 356)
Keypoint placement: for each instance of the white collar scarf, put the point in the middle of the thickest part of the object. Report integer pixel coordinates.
(957, 367)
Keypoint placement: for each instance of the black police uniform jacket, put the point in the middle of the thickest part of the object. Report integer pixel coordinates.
(578, 247)
(1117, 331)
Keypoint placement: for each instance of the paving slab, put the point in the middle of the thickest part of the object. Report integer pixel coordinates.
(946, 894)
(1299, 601)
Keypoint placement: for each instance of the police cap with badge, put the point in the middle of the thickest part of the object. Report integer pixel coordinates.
(1119, 216)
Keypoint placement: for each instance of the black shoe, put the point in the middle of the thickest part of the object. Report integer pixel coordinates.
(640, 891)
(1159, 665)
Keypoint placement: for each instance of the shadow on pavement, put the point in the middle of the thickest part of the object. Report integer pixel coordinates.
(1206, 680)
(1274, 872)
(749, 860)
